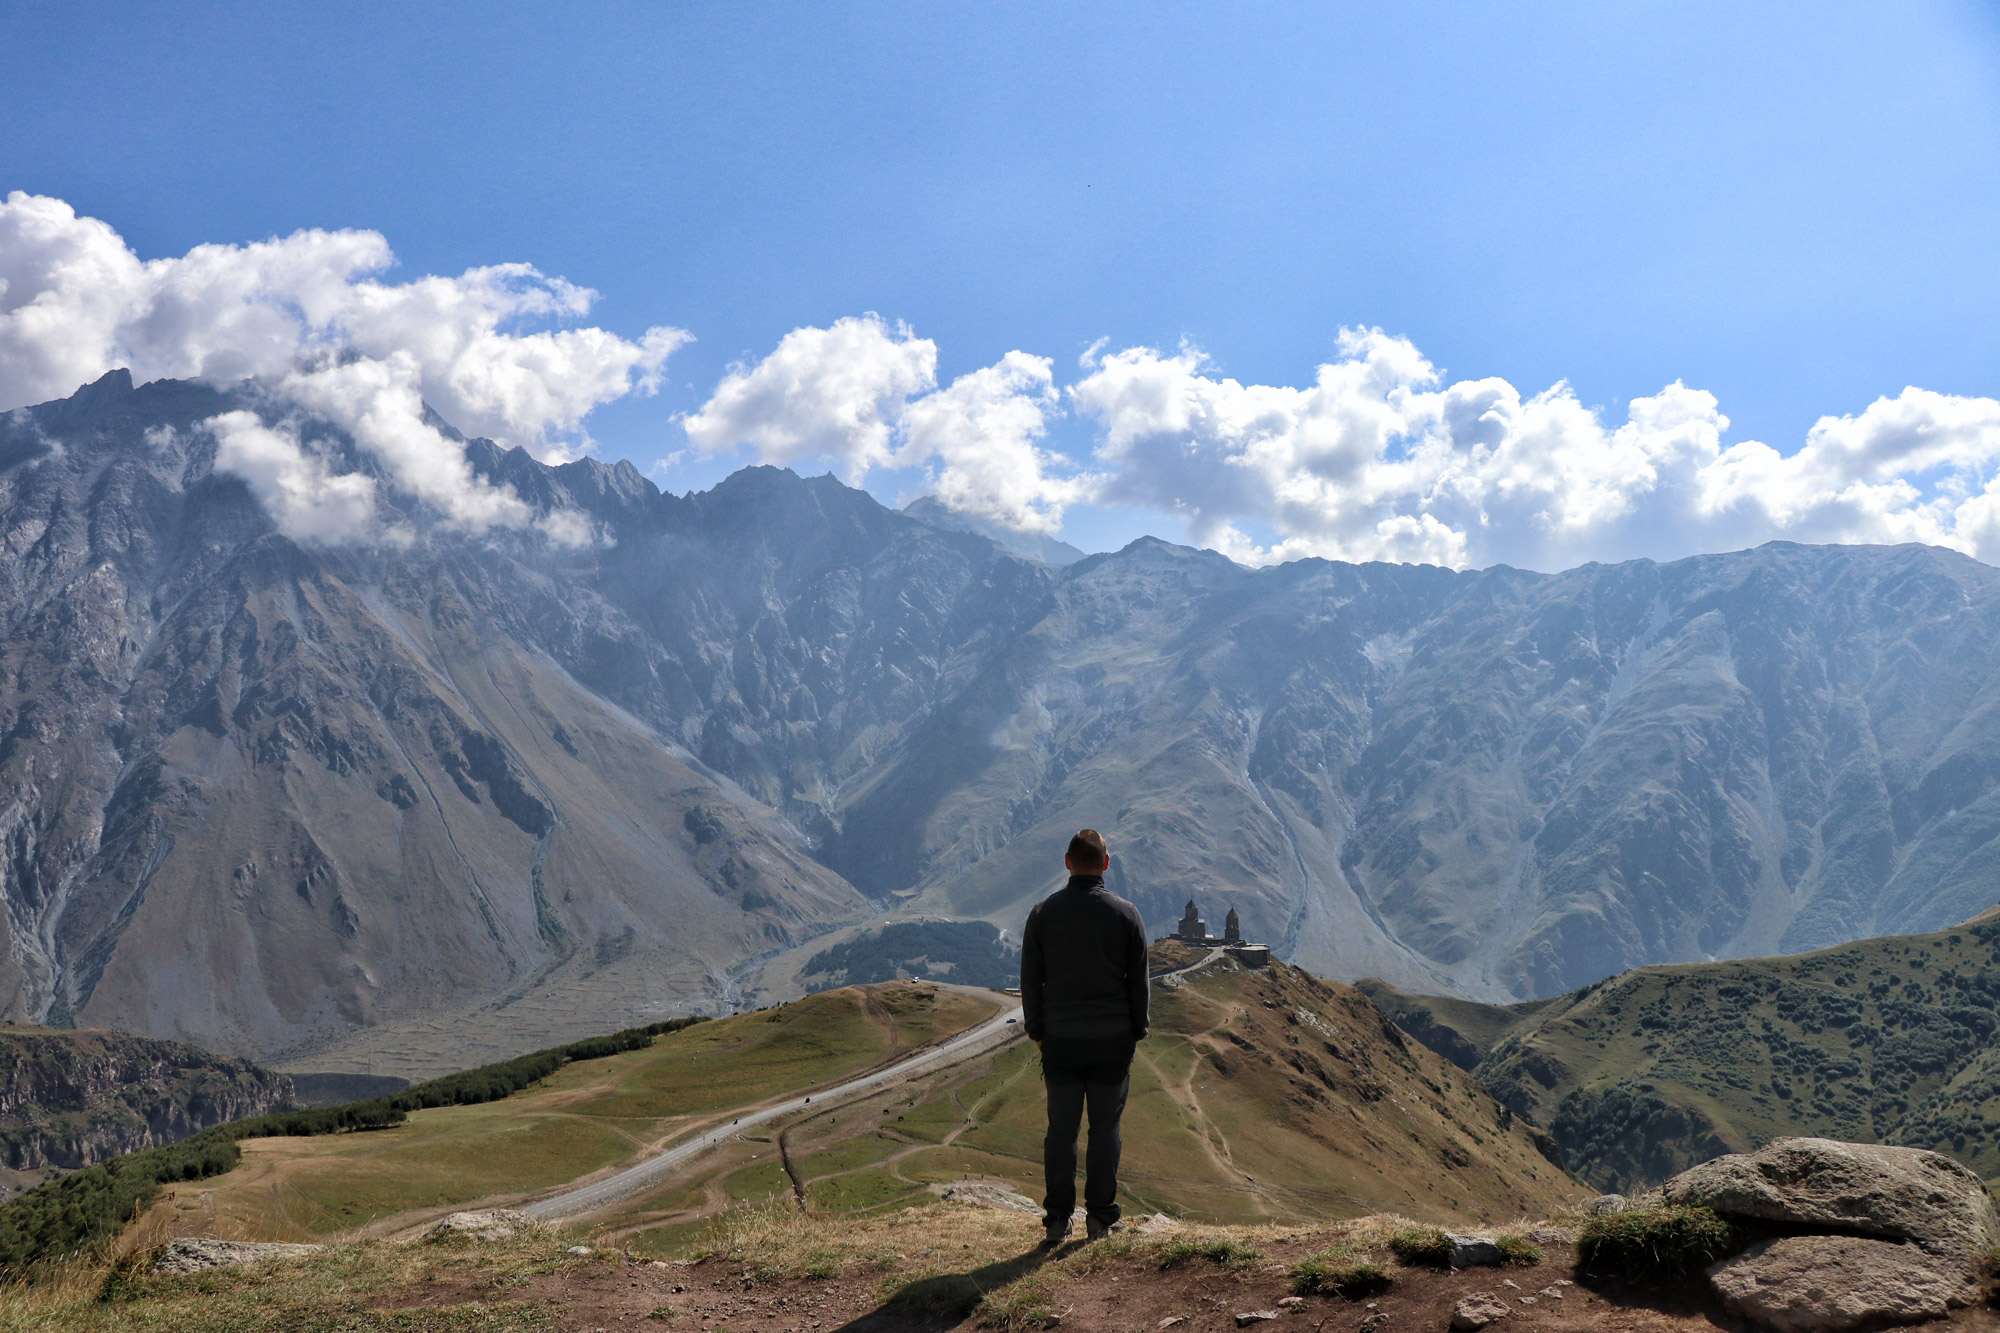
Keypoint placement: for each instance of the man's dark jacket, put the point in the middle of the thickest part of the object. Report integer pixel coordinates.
(1083, 965)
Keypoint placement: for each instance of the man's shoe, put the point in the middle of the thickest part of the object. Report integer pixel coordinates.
(1053, 1236)
(1097, 1230)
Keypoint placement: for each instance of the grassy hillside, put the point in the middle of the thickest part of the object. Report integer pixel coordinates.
(1262, 1096)
(585, 1117)
(1884, 1041)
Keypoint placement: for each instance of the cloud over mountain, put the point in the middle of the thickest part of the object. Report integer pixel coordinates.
(849, 393)
(1380, 458)
(308, 318)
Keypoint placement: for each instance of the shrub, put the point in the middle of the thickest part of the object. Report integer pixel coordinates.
(1228, 1253)
(1519, 1250)
(1425, 1246)
(1337, 1272)
(1667, 1240)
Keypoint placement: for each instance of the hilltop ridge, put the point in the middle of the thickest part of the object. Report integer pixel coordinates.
(1639, 1076)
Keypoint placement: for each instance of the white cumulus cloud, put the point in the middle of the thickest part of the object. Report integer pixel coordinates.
(1380, 457)
(976, 441)
(834, 393)
(859, 394)
(308, 318)
(308, 501)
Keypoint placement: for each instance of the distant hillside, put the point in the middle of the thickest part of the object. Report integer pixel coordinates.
(73, 1098)
(1884, 1041)
(969, 953)
(584, 1117)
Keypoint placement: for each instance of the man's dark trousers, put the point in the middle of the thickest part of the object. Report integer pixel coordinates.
(1084, 1073)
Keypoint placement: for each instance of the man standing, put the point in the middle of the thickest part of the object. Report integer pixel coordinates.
(1083, 994)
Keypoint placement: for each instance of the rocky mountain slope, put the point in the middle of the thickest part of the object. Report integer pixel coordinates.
(418, 805)
(1643, 1075)
(72, 1098)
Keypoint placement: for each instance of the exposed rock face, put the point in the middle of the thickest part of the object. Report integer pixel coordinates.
(1903, 1194)
(261, 796)
(986, 1194)
(71, 1099)
(484, 1224)
(1821, 1284)
(197, 1256)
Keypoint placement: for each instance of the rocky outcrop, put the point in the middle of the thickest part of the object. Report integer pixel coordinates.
(1899, 1194)
(1868, 1234)
(193, 1255)
(482, 1224)
(1825, 1284)
(70, 1099)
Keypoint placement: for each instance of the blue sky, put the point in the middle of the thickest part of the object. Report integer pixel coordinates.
(1789, 206)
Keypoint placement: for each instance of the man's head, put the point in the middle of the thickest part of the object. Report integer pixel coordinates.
(1087, 855)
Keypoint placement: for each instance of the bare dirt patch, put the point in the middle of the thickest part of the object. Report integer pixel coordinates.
(1128, 1291)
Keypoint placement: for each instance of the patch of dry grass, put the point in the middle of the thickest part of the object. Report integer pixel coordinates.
(949, 1260)
(341, 1290)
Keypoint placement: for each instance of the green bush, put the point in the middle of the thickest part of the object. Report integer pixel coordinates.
(1520, 1250)
(1337, 1272)
(1228, 1253)
(85, 1209)
(1669, 1240)
(1425, 1246)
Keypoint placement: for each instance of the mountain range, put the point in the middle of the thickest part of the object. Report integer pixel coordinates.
(398, 808)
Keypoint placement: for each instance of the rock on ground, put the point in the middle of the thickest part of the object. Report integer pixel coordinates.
(486, 1224)
(1822, 1284)
(1474, 1251)
(984, 1194)
(1478, 1310)
(196, 1256)
(1871, 1189)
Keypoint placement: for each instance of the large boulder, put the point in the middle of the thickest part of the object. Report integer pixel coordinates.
(1866, 1189)
(1823, 1284)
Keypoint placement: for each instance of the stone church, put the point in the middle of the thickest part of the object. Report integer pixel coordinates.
(1194, 930)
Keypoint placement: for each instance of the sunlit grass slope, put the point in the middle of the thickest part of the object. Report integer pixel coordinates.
(588, 1116)
(1261, 1096)
(1893, 1040)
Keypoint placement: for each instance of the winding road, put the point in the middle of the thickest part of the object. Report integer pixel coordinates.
(994, 1033)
